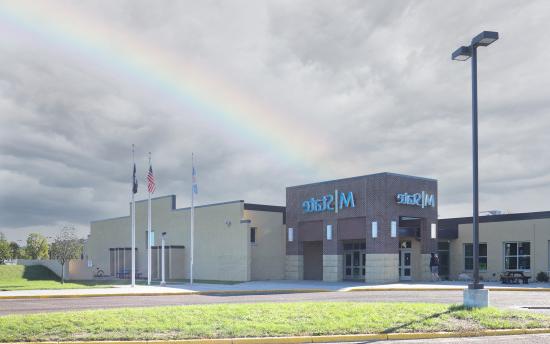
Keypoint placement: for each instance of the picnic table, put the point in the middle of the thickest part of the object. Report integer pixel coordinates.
(123, 274)
(514, 277)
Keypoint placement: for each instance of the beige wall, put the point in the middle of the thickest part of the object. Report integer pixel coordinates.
(78, 270)
(221, 241)
(268, 253)
(537, 232)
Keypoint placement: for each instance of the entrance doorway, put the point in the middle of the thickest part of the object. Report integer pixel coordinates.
(354, 261)
(405, 260)
(313, 260)
(443, 252)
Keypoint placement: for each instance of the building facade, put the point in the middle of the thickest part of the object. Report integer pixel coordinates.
(378, 228)
(223, 250)
(518, 242)
(374, 228)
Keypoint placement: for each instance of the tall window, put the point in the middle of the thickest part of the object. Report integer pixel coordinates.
(253, 235)
(152, 236)
(517, 255)
(469, 257)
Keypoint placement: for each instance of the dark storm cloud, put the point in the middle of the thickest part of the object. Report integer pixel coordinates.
(373, 79)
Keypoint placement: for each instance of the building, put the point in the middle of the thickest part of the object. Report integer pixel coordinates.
(519, 242)
(233, 241)
(376, 228)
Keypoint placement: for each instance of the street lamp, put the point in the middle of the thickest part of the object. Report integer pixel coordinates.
(462, 54)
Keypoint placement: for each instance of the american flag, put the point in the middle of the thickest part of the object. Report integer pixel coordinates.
(150, 180)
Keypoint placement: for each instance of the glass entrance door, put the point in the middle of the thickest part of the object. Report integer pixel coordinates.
(405, 265)
(354, 262)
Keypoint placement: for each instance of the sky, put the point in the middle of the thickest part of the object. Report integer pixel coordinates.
(267, 94)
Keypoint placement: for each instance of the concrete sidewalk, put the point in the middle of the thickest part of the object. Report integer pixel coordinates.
(284, 286)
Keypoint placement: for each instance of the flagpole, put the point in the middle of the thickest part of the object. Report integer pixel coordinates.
(192, 219)
(133, 223)
(149, 236)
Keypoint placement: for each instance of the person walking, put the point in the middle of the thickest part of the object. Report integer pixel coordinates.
(434, 267)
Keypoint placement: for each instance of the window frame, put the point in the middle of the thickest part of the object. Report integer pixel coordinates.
(472, 257)
(517, 255)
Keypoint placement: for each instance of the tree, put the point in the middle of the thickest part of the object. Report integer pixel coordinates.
(5, 252)
(15, 250)
(37, 246)
(65, 247)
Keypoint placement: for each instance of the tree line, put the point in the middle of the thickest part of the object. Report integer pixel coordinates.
(65, 244)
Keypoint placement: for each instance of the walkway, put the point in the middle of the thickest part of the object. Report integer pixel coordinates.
(258, 287)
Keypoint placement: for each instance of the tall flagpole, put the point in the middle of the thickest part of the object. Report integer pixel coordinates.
(192, 217)
(133, 221)
(149, 236)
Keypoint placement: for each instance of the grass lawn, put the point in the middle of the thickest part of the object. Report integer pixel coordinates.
(264, 319)
(19, 277)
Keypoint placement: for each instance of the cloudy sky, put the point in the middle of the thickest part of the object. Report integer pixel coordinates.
(267, 94)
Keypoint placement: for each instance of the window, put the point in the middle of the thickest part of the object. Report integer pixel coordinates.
(517, 255)
(433, 231)
(329, 232)
(469, 257)
(253, 235)
(374, 229)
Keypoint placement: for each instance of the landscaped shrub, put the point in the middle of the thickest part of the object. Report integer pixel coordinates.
(542, 277)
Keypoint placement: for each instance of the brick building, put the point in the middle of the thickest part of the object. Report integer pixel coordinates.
(376, 228)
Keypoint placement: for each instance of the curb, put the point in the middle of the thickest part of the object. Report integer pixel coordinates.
(317, 339)
(520, 289)
(448, 289)
(405, 289)
(209, 292)
(255, 292)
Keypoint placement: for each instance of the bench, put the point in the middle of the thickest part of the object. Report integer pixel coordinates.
(514, 277)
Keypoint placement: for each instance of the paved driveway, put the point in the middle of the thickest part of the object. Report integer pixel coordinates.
(503, 299)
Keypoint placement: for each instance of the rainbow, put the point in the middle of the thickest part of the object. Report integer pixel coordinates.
(188, 84)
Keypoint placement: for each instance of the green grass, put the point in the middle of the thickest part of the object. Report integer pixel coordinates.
(251, 320)
(19, 277)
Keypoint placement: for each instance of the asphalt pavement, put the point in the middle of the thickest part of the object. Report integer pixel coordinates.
(503, 299)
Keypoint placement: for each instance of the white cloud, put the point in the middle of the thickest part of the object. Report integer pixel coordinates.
(360, 87)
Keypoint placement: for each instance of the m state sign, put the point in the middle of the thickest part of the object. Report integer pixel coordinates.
(329, 202)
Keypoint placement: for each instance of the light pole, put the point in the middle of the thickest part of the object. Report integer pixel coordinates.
(462, 54)
(163, 281)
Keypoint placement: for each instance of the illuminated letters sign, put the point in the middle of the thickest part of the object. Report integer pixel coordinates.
(419, 199)
(330, 202)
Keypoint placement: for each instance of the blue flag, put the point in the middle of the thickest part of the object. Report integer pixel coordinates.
(194, 181)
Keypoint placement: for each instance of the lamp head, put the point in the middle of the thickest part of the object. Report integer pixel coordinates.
(485, 38)
(462, 54)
